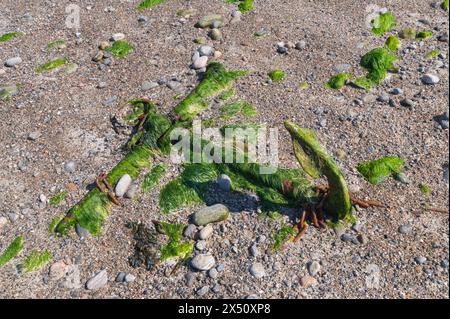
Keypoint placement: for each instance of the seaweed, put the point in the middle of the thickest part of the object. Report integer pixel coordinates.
(14, 248)
(36, 260)
(422, 35)
(55, 43)
(148, 4)
(376, 171)
(408, 33)
(232, 109)
(392, 43)
(377, 62)
(10, 35)
(433, 54)
(338, 81)
(53, 64)
(383, 23)
(54, 223)
(284, 234)
(153, 177)
(175, 247)
(175, 195)
(276, 75)
(58, 198)
(444, 5)
(245, 6)
(424, 188)
(120, 48)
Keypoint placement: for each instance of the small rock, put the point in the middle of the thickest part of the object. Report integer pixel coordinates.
(12, 62)
(200, 245)
(200, 40)
(220, 267)
(57, 270)
(430, 79)
(397, 91)
(110, 101)
(254, 250)
(308, 281)
(203, 262)
(208, 20)
(190, 231)
(81, 232)
(224, 182)
(217, 54)
(205, 50)
(148, 85)
(73, 277)
(444, 263)
(405, 229)
(361, 238)
(211, 214)
(98, 281)
(190, 278)
(300, 45)
(129, 278)
(206, 232)
(215, 34)
(200, 63)
(104, 45)
(384, 98)
(34, 136)
(117, 36)
(349, 238)
(442, 120)
(357, 227)
(98, 57)
(142, 19)
(70, 167)
(203, 291)
(257, 270)
(407, 103)
(402, 178)
(420, 260)
(213, 273)
(122, 185)
(132, 190)
(313, 268)
(216, 288)
(120, 277)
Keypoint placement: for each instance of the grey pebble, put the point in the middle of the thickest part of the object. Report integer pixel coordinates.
(120, 277)
(148, 85)
(257, 270)
(81, 232)
(213, 273)
(405, 229)
(190, 231)
(70, 167)
(420, 260)
(313, 268)
(12, 62)
(203, 291)
(224, 182)
(98, 280)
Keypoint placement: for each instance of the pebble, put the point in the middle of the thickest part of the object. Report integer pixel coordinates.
(300, 45)
(70, 167)
(254, 250)
(142, 19)
(3, 222)
(357, 227)
(110, 101)
(349, 238)
(207, 21)
(203, 262)
(129, 278)
(200, 40)
(190, 231)
(57, 270)
(117, 36)
(313, 268)
(98, 281)
(12, 62)
(148, 85)
(81, 232)
(430, 79)
(215, 34)
(132, 190)
(34, 136)
(213, 273)
(211, 214)
(224, 182)
(308, 281)
(405, 229)
(257, 270)
(122, 185)
(407, 103)
(120, 277)
(402, 178)
(420, 260)
(206, 232)
(204, 50)
(442, 120)
(200, 245)
(220, 267)
(203, 291)
(444, 263)
(98, 57)
(216, 288)
(72, 279)
(397, 91)
(200, 63)
(190, 278)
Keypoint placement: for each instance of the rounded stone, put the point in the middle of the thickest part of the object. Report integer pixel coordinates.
(430, 79)
(206, 232)
(205, 50)
(122, 185)
(224, 182)
(12, 62)
(211, 214)
(200, 63)
(70, 167)
(313, 268)
(257, 270)
(203, 262)
(98, 281)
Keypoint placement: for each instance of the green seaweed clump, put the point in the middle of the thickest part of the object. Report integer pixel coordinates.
(55, 43)
(284, 234)
(376, 171)
(237, 107)
(12, 251)
(277, 75)
(58, 198)
(445, 5)
(148, 4)
(53, 64)
(36, 260)
(383, 23)
(153, 177)
(10, 35)
(408, 33)
(422, 35)
(245, 6)
(338, 81)
(433, 54)
(177, 194)
(424, 188)
(392, 43)
(120, 48)
(377, 62)
(175, 247)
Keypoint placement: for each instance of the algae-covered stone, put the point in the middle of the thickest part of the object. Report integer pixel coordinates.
(209, 20)
(210, 214)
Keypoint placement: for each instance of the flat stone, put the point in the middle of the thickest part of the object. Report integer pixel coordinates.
(148, 85)
(120, 277)
(206, 50)
(12, 62)
(117, 36)
(257, 270)
(430, 79)
(420, 260)
(211, 214)
(308, 281)
(57, 270)
(129, 278)
(203, 262)
(203, 291)
(405, 229)
(213, 273)
(122, 185)
(98, 281)
(34, 136)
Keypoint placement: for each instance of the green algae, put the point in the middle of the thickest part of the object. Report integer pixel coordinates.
(376, 171)
(58, 198)
(120, 48)
(245, 108)
(10, 35)
(408, 33)
(36, 260)
(445, 5)
(284, 234)
(422, 35)
(152, 178)
(433, 54)
(338, 81)
(53, 64)
(276, 75)
(146, 4)
(176, 247)
(55, 43)
(378, 62)
(392, 43)
(175, 195)
(383, 23)
(14, 248)
(424, 188)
